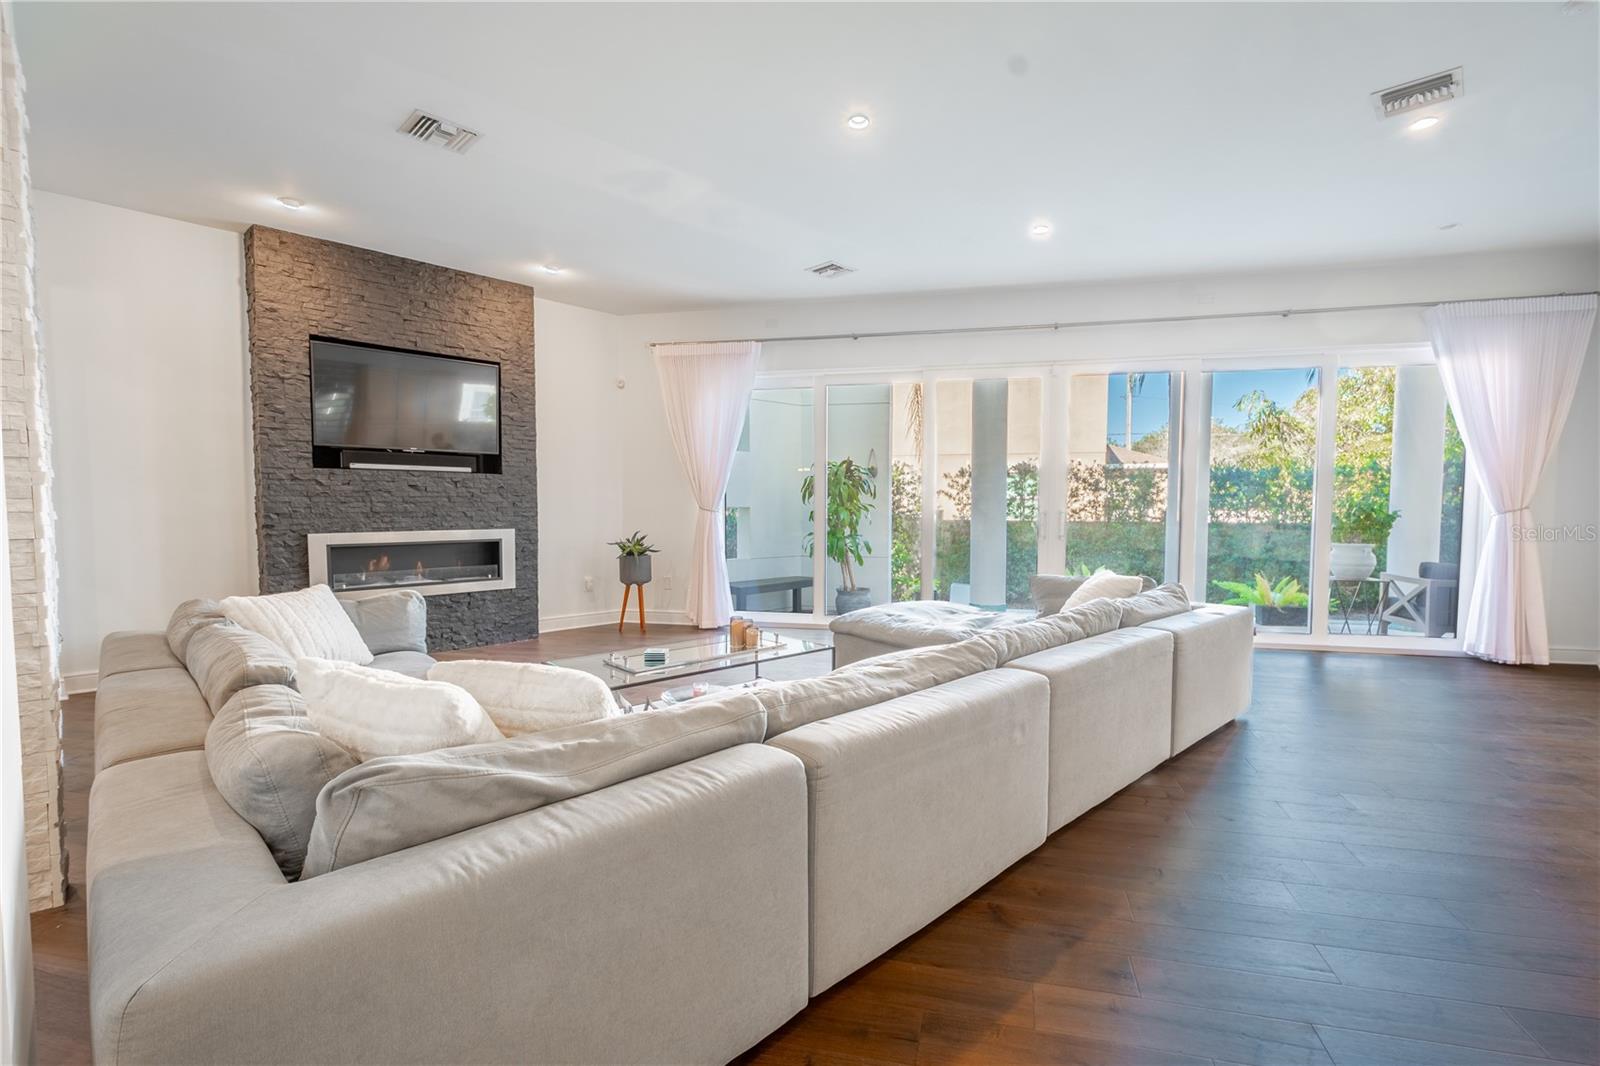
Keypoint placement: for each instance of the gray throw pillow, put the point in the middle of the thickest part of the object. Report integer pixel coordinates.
(1051, 591)
(224, 658)
(191, 617)
(390, 621)
(1096, 616)
(1163, 601)
(270, 764)
(395, 802)
(871, 681)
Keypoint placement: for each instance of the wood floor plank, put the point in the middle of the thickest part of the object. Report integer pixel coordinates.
(948, 1042)
(1400, 938)
(1165, 1026)
(1456, 980)
(1351, 1047)
(1393, 1013)
(1563, 1036)
(1319, 899)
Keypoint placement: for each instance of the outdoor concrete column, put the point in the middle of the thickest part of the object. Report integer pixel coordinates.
(1416, 473)
(989, 493)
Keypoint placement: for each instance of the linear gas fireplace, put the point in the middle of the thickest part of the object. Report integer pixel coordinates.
(435, 562)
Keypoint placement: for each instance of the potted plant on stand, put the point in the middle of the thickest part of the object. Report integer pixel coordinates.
(633, 568)
(1280, 605)
(851, 490)
(1361, 520)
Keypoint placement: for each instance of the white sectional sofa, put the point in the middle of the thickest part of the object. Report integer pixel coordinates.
(677, 915)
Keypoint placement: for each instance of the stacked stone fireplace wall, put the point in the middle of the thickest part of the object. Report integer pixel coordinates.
(298, 287)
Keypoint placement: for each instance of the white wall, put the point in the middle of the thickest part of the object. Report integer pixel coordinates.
(656, 491)
(144, 325)
(582, 447)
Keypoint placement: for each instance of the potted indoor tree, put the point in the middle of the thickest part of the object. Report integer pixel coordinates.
(633, 559)
(851, 490)
(1281, 604)
(1361, 521)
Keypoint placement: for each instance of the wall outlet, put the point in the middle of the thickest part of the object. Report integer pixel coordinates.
(588, 583)
(666, 582)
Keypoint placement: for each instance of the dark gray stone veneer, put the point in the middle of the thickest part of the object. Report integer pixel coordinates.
(298, 286)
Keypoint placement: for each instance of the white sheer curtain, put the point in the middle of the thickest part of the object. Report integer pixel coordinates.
(706, 390)
(1510, 368)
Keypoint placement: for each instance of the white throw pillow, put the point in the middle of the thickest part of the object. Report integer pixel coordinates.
(371, 712)
(529, 697)
(308, 624)
(1104, 584)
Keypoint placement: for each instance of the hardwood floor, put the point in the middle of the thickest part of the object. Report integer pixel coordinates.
(1390, 860)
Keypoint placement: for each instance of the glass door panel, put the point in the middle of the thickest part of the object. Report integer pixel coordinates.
(1398, 478)
(766, 528)
(1121, 453)
(905, 490)
(861, 449)
(988, 438)
(1260, 454)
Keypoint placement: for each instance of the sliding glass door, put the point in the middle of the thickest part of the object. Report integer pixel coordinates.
(1122, 458)
(765, 522)
(1259, 457)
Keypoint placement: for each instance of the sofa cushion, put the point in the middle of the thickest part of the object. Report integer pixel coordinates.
(270, 764)
(371, 712)
(390, 804)
(1163, 601)
(225, 658)
(147, 712)
(850, 688)
(529, 697)
(308, 624)
(917, 624)
(191, 616)
(1051, 591)
(125, 651)
(1096, 616)
(1026, 638)
(390, 621)
(411, 663)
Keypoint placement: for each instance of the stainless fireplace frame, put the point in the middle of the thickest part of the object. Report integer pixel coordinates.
(317, 545)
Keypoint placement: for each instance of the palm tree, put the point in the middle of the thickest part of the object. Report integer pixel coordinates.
(1134, 387)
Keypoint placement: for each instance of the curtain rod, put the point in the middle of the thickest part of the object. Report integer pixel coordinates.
(1034, 327)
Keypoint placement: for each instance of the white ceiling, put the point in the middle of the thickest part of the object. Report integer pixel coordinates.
(682, 155)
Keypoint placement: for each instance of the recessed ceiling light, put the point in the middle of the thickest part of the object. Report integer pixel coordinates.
(1040, 230)
(291, 203)
(1426, 122)
(858, 121)
(551, 268)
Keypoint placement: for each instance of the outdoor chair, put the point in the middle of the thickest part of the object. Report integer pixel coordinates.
(1426, 601)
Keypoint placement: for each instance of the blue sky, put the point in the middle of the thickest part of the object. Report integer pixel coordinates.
(1150, 405)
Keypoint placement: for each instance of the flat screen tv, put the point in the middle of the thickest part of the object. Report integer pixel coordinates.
(378, 406)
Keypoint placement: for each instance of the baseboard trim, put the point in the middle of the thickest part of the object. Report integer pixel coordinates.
(1575, 656)
(80, 683)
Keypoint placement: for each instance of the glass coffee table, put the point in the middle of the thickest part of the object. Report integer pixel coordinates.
(623, 670)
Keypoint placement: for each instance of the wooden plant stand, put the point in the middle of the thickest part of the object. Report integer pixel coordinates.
(622, 620)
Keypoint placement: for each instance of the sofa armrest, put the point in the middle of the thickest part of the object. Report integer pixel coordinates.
(660, 919)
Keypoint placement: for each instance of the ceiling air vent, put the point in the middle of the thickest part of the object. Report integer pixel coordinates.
(830, 269)
(431, 130)
(1424, 92)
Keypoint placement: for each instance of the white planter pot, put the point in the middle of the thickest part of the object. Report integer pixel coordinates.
(1352, 562)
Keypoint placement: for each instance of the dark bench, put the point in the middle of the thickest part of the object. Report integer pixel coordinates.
(743, 590)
